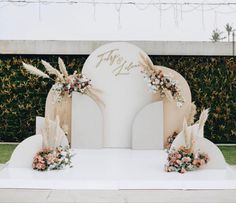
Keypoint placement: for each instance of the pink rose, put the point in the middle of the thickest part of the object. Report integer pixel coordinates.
(40, 166)
(202, 162)
(179, 156)
(186, 159)
(173, 159)
(183, 170)
(179, 162)
(197, 163)
(50, 158)
(39, 159)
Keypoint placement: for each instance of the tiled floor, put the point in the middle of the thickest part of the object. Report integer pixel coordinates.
(117, 196)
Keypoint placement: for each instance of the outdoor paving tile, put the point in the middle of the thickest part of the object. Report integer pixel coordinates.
(179, 196)
(85, 196)
(117, 196)
(64, 196)
(23, 195)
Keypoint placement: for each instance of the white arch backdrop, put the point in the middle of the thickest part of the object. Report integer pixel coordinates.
(113, 68)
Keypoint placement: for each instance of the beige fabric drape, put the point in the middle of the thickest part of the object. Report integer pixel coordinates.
(53, 135)
(62, 109)
(94, 94)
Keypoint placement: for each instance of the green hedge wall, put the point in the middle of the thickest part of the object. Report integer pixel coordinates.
(212, 81)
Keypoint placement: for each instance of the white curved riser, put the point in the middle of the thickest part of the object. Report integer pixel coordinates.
(87, 123)
(147, 129)
(216, 158)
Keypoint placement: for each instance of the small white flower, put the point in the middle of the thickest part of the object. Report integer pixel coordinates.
(63, 153)
(154, 87)
(157, 81)
(179, 104)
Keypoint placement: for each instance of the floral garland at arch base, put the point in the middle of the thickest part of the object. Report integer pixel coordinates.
(52, 156)
(48, 159)
(183, 160)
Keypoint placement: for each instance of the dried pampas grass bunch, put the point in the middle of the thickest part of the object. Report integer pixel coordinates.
(203, 118)
(60, 75)
(192, 114)
(62, 67)
(51, 70)
(146, 64)
(35, 71)
(188, 136)
(52, 134)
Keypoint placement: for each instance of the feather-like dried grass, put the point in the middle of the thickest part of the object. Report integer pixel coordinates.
(35, 71)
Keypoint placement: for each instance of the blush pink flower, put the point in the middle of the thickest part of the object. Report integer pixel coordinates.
(50, 158)
(197, 163)
(183, 170)
(179, 162)
(40, 166)
(186, 159)
(173, 159)
(202, 162)
(179, 156)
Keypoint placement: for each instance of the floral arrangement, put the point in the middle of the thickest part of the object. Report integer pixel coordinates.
(158, 81)
(65, 84)
(161, 82)
(48, 159)
(76, 82)
(183, 160)
(52, 156)
(186, 157)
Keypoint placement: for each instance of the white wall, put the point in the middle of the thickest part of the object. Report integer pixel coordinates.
(80, 22)
(87, 47)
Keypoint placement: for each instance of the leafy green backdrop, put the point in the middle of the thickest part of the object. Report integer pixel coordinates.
(212, 81)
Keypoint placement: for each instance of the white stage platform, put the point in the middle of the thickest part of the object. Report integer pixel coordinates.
(113, 169)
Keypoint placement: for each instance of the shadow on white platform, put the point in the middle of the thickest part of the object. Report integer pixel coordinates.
(114, 169)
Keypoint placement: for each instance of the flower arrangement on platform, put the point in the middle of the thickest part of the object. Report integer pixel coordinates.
(55, 153)
(183, 160)
(48, 159)
(161, 82)
(65, 84)
(187, 157)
